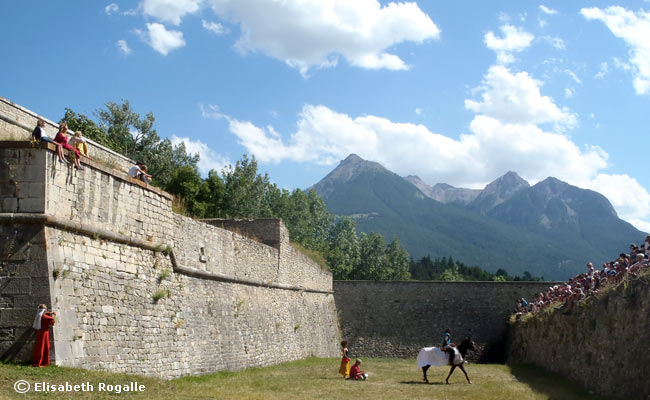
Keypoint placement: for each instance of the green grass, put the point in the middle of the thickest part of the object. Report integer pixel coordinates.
(313, 378)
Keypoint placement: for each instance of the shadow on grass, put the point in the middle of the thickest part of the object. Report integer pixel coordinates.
(555, 386)
(420, 383)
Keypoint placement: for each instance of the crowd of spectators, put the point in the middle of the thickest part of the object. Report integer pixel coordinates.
(567, 295)
(78, 146)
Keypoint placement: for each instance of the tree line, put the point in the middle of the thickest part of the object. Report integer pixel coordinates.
(446, 269)
(240, 191)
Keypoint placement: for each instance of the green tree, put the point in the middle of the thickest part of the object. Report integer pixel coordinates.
(186, 182)
(343, 254)
(397, 260)
(213, 195)
(372, 257)
(125, 131)
(244, 190)
(79, 122)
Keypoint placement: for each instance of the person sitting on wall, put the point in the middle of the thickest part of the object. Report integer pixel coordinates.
(38, 134)
(139, 171)
(146, 178)
(79, 142)
(355, 372)
(42, 323)
(62, 138)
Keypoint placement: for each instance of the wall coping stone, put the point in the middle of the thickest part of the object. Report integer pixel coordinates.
(9, 144)
(55, 125)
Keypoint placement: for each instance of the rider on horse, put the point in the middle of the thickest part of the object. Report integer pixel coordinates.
(446, 346)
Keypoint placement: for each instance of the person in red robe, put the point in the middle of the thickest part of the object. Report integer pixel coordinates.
(355, 372)
(62, 139)
(42, 323)
(345, 360)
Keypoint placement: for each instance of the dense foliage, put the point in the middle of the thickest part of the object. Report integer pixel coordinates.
(125, 131)
(446, 269)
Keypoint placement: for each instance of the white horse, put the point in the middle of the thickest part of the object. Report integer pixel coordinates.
(429, 356)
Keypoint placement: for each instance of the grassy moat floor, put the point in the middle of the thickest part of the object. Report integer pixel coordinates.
(313, 378)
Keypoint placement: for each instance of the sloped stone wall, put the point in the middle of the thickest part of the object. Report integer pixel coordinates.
(141, 289)
(604, 344)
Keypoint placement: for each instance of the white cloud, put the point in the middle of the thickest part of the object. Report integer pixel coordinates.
(556, 42)
(493, 147)
(514, 40)
(208, 158)
(123, 46)
(634, 29)
(643, 226)
(542, 22)
(214, 27)
(573, 76)
(170, 11)
(504, 135)
(516, 98)
(629, 198)
(418, 111)
(568, 92)
(308, 34)
(111, 9)
(547, 10)
(162, 40)
(211, 111)
(604, 70)
(622, 65)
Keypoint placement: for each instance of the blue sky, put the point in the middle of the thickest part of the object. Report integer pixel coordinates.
(456, 92)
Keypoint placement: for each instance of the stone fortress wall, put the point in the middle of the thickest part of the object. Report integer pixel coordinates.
(397, 319)
(138, 288)
(604, 344)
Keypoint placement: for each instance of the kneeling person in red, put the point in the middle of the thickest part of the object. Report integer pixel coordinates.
(355, 372)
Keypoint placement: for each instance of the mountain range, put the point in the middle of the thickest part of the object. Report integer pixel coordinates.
(551, 229)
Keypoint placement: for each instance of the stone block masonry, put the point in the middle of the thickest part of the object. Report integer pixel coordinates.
(604, 344)
(138, 288)
(397, 319)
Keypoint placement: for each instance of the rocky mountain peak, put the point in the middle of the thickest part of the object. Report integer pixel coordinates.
(498, 191)
(349, 168)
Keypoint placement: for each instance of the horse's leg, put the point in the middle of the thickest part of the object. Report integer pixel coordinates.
(451, 371)
(424, 371)
(462, 368)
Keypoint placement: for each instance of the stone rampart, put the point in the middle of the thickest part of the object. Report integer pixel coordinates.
(397, 319)
(604, 344)
(140, 289)
(17, 123)
(263, 230)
